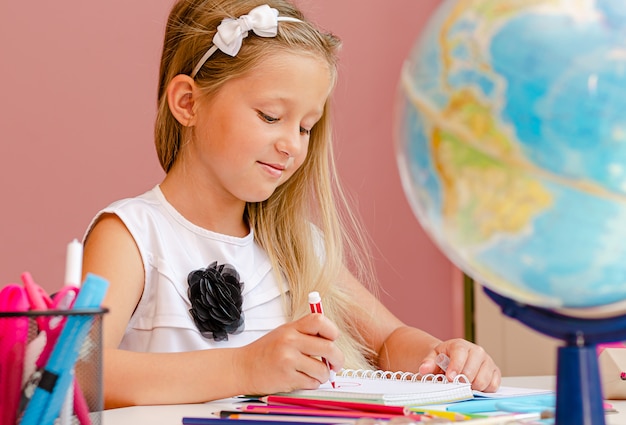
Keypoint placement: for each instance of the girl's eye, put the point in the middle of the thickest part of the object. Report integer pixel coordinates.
(271, 120)
(268, 118)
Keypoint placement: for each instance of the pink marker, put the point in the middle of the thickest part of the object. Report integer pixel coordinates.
(315, 303)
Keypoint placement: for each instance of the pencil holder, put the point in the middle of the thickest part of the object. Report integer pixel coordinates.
(51, 367)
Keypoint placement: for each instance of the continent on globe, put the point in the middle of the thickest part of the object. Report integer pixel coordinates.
(511, 145)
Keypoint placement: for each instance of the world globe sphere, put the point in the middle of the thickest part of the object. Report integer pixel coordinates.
(510, 137)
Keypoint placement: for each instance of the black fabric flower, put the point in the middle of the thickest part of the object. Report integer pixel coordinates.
(215, 295)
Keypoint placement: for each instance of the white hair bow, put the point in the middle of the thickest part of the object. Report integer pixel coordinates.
(262, 20)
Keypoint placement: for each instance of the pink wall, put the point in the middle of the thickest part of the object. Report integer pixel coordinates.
(78, 89)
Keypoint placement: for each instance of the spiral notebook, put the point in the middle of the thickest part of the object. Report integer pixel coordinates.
(391, 388)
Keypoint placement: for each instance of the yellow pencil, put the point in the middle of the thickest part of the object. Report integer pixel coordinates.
(454, 416)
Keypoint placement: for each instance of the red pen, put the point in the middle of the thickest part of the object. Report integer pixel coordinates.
(315, 303)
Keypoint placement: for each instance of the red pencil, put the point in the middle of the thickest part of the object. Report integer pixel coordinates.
(336, 404)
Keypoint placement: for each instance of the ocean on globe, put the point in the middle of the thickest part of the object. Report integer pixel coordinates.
(511, 145)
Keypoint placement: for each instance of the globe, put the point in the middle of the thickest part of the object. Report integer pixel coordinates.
(511, 145)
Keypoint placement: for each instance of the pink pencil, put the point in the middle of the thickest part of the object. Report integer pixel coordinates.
(303, 411)
(336, 404)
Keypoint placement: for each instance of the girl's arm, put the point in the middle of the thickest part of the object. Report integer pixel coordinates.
(280, 361)
(404, 348)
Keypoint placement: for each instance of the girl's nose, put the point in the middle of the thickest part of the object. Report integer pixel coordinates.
(291, 143)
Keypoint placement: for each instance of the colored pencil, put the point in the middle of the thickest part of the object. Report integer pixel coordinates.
(226, 421)
(504, 419)
(336, 404)
(441, 414)
(283, 410)
(248, 416)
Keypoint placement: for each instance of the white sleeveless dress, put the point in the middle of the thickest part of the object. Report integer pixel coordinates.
(171, 247)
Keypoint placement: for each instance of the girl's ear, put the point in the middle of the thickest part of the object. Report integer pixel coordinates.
(180, 98)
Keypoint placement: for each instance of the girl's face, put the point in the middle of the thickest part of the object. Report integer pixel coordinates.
(253, 134)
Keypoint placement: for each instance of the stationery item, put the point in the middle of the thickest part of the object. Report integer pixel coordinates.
(50, 325)
(74, 263)
(332, 411)
(79, 404)
(323, 417)
(453, 416)
(73, 273)
(321, 403)
(315, 304)
(505, 419)
(13, 340)
(533, 403)
(287, 419)
(50, 329)
(391, 388)
(227, 421)
(507, 392)
(45, 405)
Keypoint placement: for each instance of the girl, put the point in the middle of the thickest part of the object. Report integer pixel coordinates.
(209, 271)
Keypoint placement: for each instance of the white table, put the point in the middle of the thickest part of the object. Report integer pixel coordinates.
(173, 414)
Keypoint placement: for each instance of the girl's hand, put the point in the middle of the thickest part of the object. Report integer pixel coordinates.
(469, 359)
(288, 358)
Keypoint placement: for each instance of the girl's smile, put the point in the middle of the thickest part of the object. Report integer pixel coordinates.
(275, 170)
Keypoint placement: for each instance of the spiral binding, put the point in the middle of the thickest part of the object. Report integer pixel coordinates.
(402, 376)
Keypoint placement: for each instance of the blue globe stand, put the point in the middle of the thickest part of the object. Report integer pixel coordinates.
(579, 398)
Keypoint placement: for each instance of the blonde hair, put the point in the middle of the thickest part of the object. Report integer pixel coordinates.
(309, 209)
